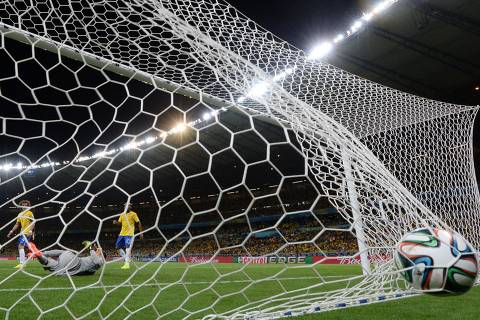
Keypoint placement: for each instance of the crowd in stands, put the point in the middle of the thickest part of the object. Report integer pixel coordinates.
(291, 238)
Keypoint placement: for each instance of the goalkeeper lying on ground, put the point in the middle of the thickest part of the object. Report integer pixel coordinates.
(66, 262)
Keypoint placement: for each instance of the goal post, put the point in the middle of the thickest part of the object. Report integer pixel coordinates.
(356, 214)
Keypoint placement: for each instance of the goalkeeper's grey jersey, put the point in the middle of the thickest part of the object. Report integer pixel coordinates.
(90, 264)
(70, 264)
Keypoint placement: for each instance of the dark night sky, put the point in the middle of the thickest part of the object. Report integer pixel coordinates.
(305, 23)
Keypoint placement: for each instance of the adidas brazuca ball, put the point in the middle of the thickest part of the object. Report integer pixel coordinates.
(437, 261)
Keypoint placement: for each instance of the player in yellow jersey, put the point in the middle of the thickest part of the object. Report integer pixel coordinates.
(26, 223)
(127, 219)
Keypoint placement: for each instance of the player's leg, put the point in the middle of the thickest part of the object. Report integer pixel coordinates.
(63, 264)
(122, 253)
(45, 257)
(22, 243)
(21, 256)
(128, 251)
(120, 245)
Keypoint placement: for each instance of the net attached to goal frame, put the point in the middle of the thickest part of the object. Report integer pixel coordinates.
(386, 161)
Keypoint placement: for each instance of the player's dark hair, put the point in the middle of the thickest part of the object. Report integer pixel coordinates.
(23, 201)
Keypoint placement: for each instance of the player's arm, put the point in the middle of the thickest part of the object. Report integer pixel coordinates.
(97, 250)
(139, 225)
(118, 221)
(140, 228)
(32, 227)
(15, 228)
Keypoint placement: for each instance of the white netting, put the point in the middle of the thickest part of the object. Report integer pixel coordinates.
(82, 77)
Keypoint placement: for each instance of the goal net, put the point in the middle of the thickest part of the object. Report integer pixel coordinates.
(257, 173)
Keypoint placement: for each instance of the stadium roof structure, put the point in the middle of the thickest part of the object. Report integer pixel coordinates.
(423, 47)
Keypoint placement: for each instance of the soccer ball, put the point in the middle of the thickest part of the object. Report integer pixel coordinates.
(437, 261)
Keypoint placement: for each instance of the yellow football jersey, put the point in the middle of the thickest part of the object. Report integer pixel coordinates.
(128, 221)
(26, 219)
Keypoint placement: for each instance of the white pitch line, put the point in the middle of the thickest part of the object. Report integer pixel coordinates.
(169, 283)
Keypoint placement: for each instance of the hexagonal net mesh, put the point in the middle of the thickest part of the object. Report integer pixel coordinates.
(231, 146)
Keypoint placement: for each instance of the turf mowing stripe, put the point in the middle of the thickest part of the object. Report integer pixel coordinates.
(168, 283)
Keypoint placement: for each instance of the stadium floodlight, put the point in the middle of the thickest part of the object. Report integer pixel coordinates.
(150, 140)
(282, 75)
(279, 76)
(356, 26)
(340, 37)
(368, 16)
(129, 146)
(258, 90)
(321, 51)
(178, 128)
(132, 145)
(382, 6)
(98, 155)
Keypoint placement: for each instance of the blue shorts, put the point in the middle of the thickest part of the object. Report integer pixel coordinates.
(123, 242)
(23, 240)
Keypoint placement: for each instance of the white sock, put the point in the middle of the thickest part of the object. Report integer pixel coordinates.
(127, 256)
(122, 253)
(21, 253)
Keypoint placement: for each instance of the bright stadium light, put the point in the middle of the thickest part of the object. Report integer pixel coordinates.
(132, 145)
(179, 128)
(261, 88)
(326, 47)
(356, 26)
(321, 51)
(150, 140)
(279, 76)
(258, 90)
(282, 75)
(129, 146)
(339, 38)
(100, 154)
(382, 6)
(367, 17)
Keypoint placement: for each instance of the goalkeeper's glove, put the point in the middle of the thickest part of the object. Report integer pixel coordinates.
(87, 245)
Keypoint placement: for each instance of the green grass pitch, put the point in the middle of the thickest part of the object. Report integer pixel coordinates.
(143, 287)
